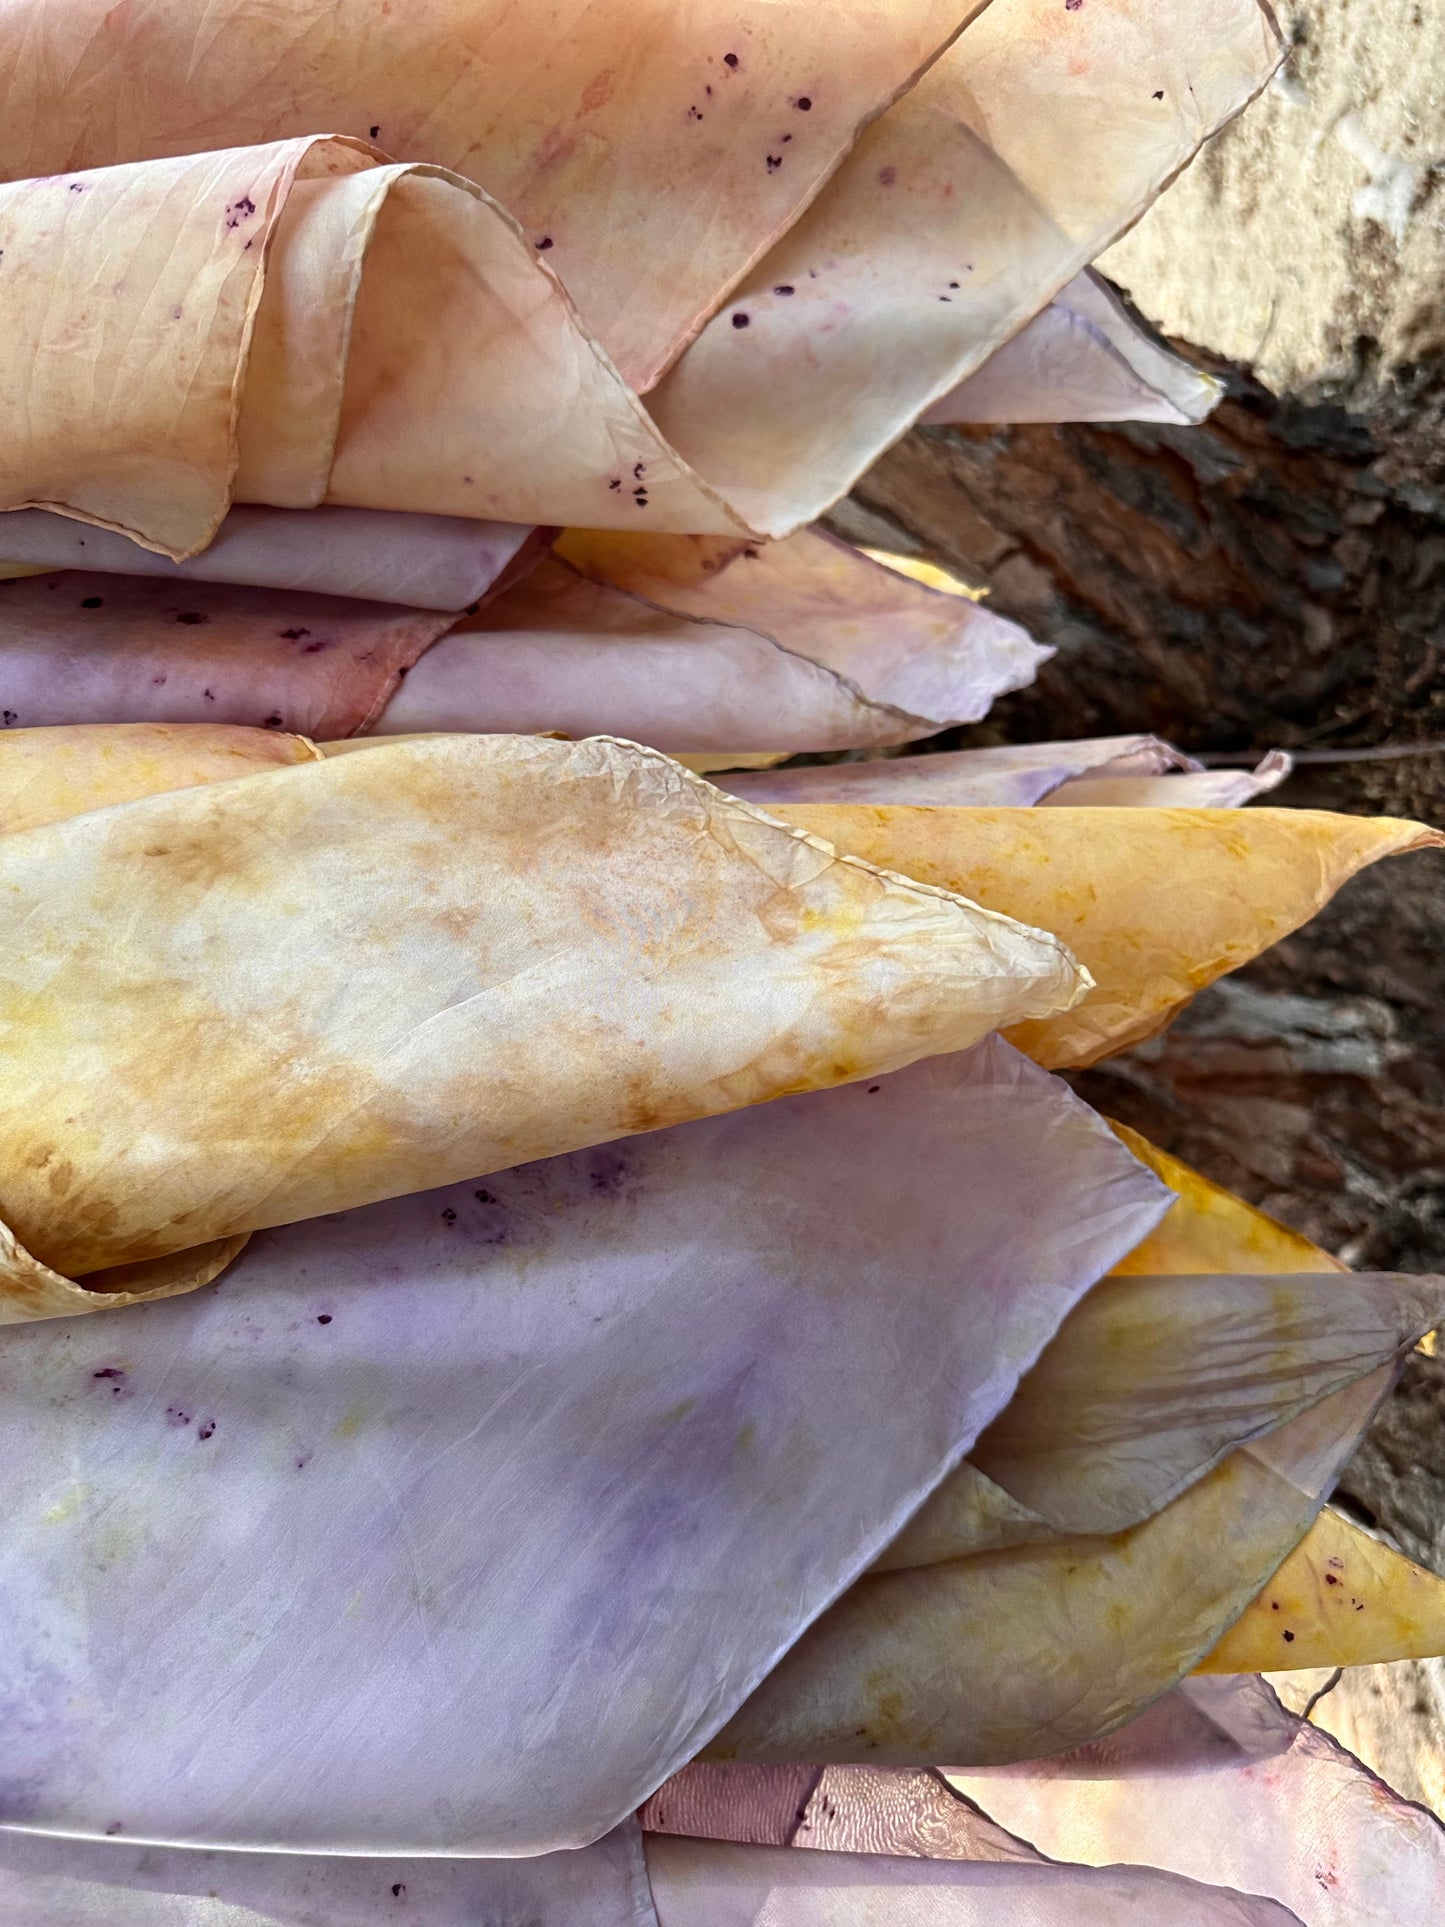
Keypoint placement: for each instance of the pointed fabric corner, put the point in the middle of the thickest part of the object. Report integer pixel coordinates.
(1341, 1598)
(1010, 775)
(1015, 1654)
(1187, 789)
(429, 1463)
(260, 1036)
(1156, 903)
(1085, 358)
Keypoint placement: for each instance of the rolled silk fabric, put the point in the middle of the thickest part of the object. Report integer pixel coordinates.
(262, 999)
(442, 562)
(1008, 776)
(78, 649)
(620, 118)
(821, 649)
(1158, 903)
(222, 387)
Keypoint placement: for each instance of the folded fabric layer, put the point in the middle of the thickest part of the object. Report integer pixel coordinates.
(1204, 789)
(259, 1000)
(1009, 776)
(575, 1453)
(706, 1883)
(1221, 1783)
(422, 561)
(1014, 1654)
(849, 1809)
(1204, 1230)
(1021, 154)
(808, 644)
(818, 654)
(1340, 1599)
(80, 648)
(1151, 1383)
(621, 118)
(875, 1810)
(1085, 358)
(47, 775)
(54, 1882)
(220, 384)
(611, 1884)
(1157, 903)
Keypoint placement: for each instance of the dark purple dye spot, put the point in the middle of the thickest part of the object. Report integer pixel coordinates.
(323, 1318)
(874, 1087)
(1160, 94)
(484, 1197)
(240, 211)
(741, 320)
(293, 635)
(945, 297)
(783, 289)
(803, 104)
(887, 176)
(116, 1826)
(639, 469)
(730, 60)
(375, 131)
(208, 1430)
(544, 244)
(1289, 1637)
(9, 716)
(109, 1371)
(190, 617)
(77, 187)
(693, 113)
(398, 1889)
(1072, 6)
(209, 694)
(175, 314)
(787, 137)
(157, 679)
(90, 602)
(177, 1416)
(1332, 1579)
(273, 722)
(775, 161)
(614, 484)
(467, 480)
(315, 648)
(953, 284)
(707, 90)
(449, 1216)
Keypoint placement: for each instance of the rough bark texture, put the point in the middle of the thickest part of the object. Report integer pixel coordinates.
(1276, 577)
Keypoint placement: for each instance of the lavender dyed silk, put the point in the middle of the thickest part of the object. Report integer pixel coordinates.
(82, 648)
(424, 561)
(1012, 775)
(575, 1453)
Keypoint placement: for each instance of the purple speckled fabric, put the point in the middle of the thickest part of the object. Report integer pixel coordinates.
(575, 1453)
